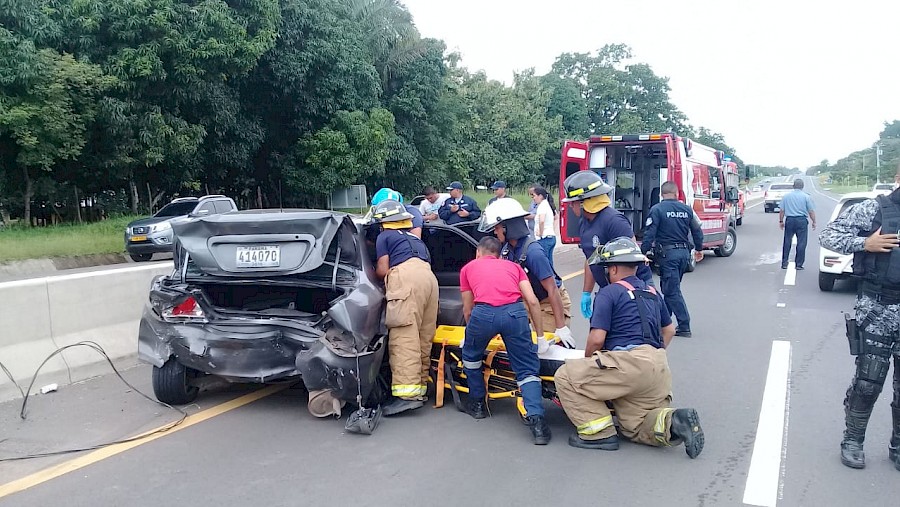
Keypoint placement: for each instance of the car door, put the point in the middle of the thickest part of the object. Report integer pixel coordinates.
(450, 248)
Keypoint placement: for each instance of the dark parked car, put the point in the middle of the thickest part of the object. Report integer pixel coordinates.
(151, 235)
(263, 295)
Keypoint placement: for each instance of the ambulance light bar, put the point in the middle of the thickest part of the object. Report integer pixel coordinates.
(627, 138)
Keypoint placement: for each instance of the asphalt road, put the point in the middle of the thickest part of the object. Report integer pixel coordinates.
(272, 452)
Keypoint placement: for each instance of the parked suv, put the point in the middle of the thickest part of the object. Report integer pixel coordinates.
(148, 236)
(263, 295)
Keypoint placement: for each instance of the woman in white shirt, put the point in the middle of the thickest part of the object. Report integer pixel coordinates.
(544, 230)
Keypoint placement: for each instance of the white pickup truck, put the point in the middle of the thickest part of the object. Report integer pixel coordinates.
(774, 194)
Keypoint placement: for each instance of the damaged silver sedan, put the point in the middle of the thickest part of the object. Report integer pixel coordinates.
(264, 295)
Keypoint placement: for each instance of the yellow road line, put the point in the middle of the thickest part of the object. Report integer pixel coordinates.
(573, 275)
(107, 452)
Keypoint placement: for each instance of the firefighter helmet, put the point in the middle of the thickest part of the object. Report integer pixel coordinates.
(584, 184)
(502, 209)
(390, 210)
(622, 250)
(384, 194)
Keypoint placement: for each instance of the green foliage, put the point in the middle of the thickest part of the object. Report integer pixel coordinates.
(17, 243)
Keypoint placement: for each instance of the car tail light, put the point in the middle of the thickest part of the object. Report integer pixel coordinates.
(185, 311)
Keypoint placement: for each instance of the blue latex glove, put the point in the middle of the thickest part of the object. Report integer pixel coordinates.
(587, 307)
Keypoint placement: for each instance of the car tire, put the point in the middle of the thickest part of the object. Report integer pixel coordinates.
(140, 257)
(692, 265)
(826, 282)
(729, 246)
(172, 383)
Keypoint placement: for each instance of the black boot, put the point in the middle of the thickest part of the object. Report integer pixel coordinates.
(852, 454)
(399, 405)
(686, 426)
(475, 408)
(894, 449)
(540, 430)
(603, 444)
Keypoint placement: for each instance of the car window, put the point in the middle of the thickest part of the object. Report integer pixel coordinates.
(846, 204)
(223, 206)
(208, 206)
(176, 209)
(782, 187)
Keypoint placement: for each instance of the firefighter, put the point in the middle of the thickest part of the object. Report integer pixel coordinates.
(868, 230)
(493, 291)
(412, 304)
(506, 218)
(385, 193)
(625, 363)
(672, 229)
(598, 223)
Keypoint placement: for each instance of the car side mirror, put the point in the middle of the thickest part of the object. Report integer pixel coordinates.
(732, 195)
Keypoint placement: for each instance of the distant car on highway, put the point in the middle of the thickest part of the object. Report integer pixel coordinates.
(883, 188)
(832, 265)
(774, 194)
(151, 235)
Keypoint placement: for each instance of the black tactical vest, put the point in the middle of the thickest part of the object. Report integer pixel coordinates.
(881, 268)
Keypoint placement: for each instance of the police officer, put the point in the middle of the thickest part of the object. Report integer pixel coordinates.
(386, 193)
(598, 224)
(506, 218)
(492, 292)
(868, 231)
(625, 363)
(411, 290)
(669, 232)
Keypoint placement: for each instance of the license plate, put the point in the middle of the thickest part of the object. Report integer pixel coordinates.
(268, 256)
(138, 238)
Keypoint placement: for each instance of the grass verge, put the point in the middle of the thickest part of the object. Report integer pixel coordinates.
(19, 243)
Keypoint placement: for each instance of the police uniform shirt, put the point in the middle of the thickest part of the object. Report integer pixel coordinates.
(617, 314)
(671, 222)
(536, 262)
(606, 226)
(398, 246)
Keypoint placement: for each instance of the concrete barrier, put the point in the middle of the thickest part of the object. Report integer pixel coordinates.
(39, 315)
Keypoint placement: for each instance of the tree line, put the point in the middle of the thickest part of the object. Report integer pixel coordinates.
(123, 104)
(866, 164)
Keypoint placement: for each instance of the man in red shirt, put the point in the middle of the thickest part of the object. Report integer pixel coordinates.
(492, 292)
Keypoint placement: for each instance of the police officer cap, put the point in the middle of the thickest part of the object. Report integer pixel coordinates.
(584, 184)
(498, 211)
(622, 250)
(390, 211)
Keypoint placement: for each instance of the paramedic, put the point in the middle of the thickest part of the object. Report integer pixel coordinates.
(672, 229)
(868, 230)
(598, 224)
(493, 291)
(411, 291)
(506, 219)
(625, 363)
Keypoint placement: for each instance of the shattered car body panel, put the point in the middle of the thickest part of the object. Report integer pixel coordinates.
(313, 309)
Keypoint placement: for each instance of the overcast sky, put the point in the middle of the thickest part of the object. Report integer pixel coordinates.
(786, 82)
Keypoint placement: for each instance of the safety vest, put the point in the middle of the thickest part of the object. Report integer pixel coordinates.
(648, 294)
(881, 268)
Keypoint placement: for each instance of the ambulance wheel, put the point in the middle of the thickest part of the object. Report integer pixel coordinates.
(172, 383)
(729, 246)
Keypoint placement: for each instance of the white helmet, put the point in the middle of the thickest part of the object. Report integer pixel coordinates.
(502, 209)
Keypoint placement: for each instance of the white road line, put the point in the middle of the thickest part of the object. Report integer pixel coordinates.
(790, 278)
(754, 205)
(816, 190)
(764, 477)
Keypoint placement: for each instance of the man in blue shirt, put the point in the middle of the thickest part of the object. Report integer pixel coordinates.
(625, 363)
(671, 230)
(599, 223)
(458, 208)
(797, 206)
(506, 219)
(411, 290)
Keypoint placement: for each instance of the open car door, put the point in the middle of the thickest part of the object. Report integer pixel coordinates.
(574, 159)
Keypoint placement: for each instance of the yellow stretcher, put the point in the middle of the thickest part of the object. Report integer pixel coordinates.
(446, 361)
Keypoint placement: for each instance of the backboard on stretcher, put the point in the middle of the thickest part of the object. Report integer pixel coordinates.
(446, 361)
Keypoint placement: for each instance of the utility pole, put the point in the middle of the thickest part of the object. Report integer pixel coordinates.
(878, 162)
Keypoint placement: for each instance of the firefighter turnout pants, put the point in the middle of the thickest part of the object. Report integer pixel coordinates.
(548, 318)
(637, 382)
(411, 318)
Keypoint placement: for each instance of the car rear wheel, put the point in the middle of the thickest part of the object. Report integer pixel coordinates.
(826, 282)
(729, 246)
(692, 265)
(140, 257)
(172, 383)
